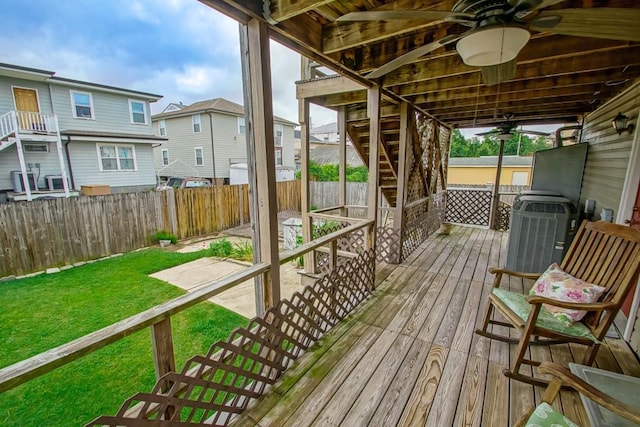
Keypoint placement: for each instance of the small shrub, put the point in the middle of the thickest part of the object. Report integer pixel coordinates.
(221, 248)
(242, 251)
(165, 235)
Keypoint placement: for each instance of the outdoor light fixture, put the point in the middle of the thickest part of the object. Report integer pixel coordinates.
(619, 123)
(492, 45)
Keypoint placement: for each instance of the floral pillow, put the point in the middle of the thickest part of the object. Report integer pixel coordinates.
(557, 284)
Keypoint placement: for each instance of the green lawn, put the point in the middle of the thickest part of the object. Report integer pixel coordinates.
(42, 312)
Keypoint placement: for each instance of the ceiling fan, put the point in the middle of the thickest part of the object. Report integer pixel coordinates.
(508, 128)
(501, 28)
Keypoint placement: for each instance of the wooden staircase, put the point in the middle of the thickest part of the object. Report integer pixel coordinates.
(358, 132)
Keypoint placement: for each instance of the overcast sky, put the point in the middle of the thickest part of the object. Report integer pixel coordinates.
(180, 49)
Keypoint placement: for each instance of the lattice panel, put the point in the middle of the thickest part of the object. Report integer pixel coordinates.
(212, 389)
(388, 245)
(468, 206)
(504, 216)
(422, 220)
(353, 243)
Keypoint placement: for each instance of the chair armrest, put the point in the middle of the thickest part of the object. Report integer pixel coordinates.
(602, 399)
(532, 276)
(590, 306)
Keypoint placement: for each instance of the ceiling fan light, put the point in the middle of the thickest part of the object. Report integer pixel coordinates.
(492, 46)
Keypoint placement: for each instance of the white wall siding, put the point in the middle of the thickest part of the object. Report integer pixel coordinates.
(111, 112)
(86, 169)
(608, 154)
(9, 162)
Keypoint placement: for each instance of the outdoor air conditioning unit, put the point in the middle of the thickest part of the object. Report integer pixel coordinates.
(54, 182)
(16, 180)
(541, 230)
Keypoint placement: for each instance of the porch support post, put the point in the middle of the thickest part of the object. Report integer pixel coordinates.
(495, 197)
(342, 169)
(61, 162)
(307, 224)
(373, 110)
(403, 176)
(255, 55)
(23, 168)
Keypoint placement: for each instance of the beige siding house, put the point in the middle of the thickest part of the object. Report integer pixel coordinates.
(207, 137)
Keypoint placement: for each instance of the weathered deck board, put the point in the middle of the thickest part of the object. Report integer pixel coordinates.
(409, 356)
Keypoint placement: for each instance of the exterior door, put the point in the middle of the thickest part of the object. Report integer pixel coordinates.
(26, 100)
(634, 222)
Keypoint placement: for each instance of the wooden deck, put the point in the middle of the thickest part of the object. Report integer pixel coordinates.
(409, 356)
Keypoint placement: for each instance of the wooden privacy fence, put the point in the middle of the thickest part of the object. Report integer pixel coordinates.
(50, 233)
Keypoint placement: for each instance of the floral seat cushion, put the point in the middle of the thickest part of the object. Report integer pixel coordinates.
(545, 416)
(517, 303)
(557, 284)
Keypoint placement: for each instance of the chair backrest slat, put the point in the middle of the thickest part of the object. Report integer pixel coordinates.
(607, 255)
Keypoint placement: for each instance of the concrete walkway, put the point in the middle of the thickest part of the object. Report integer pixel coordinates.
(241, 299)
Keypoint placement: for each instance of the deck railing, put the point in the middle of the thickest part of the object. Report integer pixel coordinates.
(27, 122)
(281, 335)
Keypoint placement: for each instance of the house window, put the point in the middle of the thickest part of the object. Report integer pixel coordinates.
(196, 123)
(278, 130)
(138, 112)
(165, 156)
(242, 126)
(116, 157)
(163, 127)
(199, 156)
(82, 105)
(278, 156)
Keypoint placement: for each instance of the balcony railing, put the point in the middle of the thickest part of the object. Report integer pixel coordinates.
(27, 122)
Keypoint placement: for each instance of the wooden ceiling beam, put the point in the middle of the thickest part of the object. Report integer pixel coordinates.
(449, 66)
(282, 10)
(534, 96)
(525, 120)
(326, 86)
(560, 109)
(512, 107)
(453, 88)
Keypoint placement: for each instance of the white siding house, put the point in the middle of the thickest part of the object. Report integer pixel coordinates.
(207, 137)
(91, 133)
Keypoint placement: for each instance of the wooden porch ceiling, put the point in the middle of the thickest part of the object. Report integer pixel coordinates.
(409, 356)
(559, 78)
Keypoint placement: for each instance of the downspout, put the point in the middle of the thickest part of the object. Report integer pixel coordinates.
(68, 156)
(213, 147)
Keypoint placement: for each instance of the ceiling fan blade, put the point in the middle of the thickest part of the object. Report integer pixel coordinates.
(413, 55)
(534, 132)
(495, 74)
(491, 132)
(388, 15)
(600, 22)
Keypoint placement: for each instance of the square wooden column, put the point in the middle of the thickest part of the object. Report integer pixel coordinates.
(256, 78)
(307, 223)
(342, 168)
(373, 112)
(406, 114)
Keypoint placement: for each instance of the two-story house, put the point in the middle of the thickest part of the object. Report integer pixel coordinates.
(207, 139)
(58, 135)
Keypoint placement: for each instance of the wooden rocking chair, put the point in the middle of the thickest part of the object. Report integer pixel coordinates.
(602, 253)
